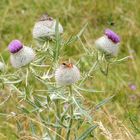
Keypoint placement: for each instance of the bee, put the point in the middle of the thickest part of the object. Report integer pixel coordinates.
(67, 65)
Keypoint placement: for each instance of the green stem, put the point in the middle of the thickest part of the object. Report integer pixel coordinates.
(58, 113)
(71, 115)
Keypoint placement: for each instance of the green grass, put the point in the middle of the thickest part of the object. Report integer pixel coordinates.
(121, 115)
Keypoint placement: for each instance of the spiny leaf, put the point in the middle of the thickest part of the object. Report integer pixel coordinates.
(104, 102)
(87, 132)
(88, 90)
(73, 39)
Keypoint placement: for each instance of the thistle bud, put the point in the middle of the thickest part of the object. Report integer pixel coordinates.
(67, 74)
(109, 43)
(20, 54)
(44, 28)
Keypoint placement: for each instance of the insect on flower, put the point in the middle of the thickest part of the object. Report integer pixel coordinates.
(109, 43)
(20, 55)
(44, 28)
(67, 74)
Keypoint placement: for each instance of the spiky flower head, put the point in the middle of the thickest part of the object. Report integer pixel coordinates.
(44, 28)
(67, 74)
(20, 54)
(15, 46)
(109, 43)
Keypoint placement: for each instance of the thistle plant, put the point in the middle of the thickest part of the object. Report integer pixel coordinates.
(50, 93)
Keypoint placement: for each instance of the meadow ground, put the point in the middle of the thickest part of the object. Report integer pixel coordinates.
(119, 119)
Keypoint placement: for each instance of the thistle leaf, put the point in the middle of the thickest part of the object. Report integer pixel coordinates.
(86, 133)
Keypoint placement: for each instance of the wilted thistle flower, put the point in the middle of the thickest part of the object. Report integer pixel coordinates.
(67, 74)
(20, 54)
(44, 28)
(108, 43)
(2, 66)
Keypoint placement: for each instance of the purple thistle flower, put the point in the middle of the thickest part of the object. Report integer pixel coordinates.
(15, 46)
(132, 87)
(112, 35)
(20, 55)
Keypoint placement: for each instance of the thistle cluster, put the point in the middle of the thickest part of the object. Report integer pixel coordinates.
(49, 93)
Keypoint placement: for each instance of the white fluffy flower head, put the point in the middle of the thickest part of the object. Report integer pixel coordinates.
(45, 28)
(67, 74)
(23, 57)
(109, 43)
(20, 55)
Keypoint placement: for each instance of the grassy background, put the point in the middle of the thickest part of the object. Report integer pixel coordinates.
(120, 117)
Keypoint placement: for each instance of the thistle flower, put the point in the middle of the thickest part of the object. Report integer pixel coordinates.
(67, 74)
(2, 66)
(108, 43)
(20, 54)
(44, 28)
(132, 87)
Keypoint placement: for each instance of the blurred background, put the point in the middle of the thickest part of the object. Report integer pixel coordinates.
(120, 118)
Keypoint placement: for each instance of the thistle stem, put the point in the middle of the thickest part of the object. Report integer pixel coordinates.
(58, 113)
(71, 115)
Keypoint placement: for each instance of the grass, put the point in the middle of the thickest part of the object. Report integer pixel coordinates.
(119, 119)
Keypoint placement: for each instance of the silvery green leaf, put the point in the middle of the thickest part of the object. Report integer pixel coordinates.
(41, 66)
(104, 102)
(47, 75)
(86, 133)
(84, 112)
(54, 97)
(73, 39)
(12, 82)
(88, 90)
(122, 59)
